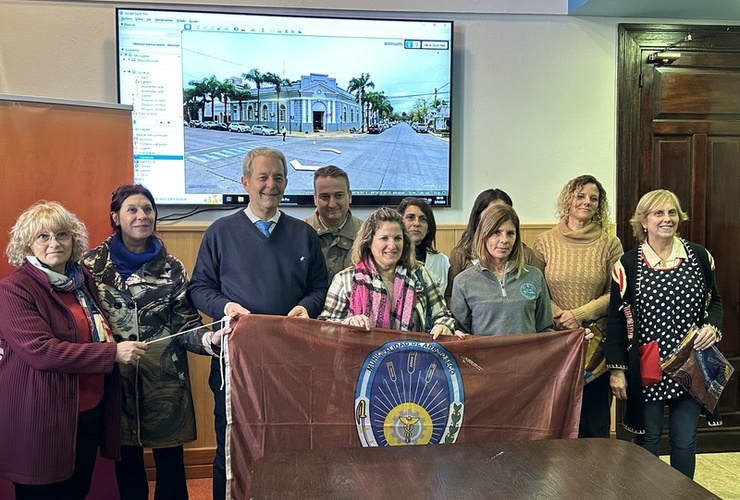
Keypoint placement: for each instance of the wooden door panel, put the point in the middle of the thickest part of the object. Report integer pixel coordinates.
(698, 93)
(672, 161)
(723, 235)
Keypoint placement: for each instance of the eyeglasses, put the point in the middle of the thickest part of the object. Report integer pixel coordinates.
(45, 238)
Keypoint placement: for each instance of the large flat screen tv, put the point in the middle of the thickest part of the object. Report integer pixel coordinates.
(368, 95)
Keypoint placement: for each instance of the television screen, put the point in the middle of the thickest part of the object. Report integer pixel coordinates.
(370, 96)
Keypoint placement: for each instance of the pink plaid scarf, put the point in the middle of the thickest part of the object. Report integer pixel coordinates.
(369, 296)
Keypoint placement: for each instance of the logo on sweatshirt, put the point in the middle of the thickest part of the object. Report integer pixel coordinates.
(529, 291)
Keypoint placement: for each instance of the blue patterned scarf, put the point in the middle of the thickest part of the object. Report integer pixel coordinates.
(73, 282)
(126, 261)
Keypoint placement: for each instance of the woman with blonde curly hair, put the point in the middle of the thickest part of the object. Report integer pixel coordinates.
(386, 287)
(59, 382)
(579, 254)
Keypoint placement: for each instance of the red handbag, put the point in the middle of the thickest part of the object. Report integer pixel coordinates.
(650, 370)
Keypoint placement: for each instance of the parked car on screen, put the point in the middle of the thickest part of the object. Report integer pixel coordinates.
(373, 128)
(195, 123)
(221, 126)
(262, 130)
(239, 127)
(422, 128)
(208, 124)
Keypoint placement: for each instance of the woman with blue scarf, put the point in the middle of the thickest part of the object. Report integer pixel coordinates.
(59, 383)
(143, 289)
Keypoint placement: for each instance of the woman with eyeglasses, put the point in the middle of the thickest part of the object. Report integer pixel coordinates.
(59, 383)
(143, 289)
(419, 221)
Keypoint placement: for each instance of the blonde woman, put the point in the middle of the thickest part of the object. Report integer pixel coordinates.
(385, 287)
(59, 383)
(659, 290)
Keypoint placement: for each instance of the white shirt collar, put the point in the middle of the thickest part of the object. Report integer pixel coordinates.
(678, 253)
(252, 217)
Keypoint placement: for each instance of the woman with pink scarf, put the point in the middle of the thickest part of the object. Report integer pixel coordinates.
(386, 287)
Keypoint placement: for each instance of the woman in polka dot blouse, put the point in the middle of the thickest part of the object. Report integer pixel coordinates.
(659, 290)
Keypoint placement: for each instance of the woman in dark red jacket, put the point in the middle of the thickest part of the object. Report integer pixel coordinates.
(58, 380)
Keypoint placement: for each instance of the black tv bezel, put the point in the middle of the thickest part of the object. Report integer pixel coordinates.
(235, 200)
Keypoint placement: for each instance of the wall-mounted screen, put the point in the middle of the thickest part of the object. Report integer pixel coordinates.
(370, 96)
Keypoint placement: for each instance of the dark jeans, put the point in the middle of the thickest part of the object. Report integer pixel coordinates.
(170, 474)
(89, 437)
(595, 408)
(219, 413)
(683, 418)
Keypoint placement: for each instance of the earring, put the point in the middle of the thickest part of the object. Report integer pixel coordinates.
(644, 230)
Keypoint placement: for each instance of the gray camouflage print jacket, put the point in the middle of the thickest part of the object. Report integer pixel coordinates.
(152, 304)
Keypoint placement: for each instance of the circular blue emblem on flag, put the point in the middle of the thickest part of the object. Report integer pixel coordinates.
(409, 392)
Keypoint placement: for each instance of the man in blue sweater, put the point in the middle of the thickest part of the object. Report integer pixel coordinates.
(258, 260)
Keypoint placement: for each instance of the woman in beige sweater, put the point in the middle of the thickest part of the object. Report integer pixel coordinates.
(579, 254)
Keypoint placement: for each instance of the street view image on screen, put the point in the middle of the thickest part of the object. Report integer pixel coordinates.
(369, 96)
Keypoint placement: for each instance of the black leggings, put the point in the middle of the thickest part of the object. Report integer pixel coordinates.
(170, 477)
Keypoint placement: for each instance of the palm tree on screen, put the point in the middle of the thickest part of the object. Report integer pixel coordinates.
(380, 103)
(240, 95)
(200, 93)
(357, 86)
(279, 84)
(254, 75)
(223, 92)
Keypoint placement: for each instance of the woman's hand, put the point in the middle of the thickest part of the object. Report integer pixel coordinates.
(461, 334)
(129, 352)
(705, 338)
(565, 320)
(438, 330)
(362, 321)
(618, 383)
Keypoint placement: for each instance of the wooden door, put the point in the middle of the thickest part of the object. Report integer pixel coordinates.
(679, 129)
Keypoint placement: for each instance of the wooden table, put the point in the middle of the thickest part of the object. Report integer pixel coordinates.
(554, 469)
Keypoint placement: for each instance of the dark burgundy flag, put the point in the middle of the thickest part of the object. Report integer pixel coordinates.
(296, 384)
